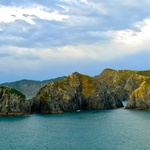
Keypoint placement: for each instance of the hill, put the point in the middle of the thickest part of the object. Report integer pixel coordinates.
(75, 92)
(13, 102)
(140, 98)
(29, 87)
(144, 73)
(123, 82)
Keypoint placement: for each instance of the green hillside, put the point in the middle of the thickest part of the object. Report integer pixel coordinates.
(144, 73)
(29, 87)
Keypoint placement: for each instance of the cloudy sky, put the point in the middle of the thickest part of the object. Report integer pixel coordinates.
(50, 38)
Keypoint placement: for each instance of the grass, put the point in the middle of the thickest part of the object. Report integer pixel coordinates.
(13, 91)
(144, 73)
(87, 85)
(16, 92)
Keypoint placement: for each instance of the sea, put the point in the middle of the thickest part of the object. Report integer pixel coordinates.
(116, 129)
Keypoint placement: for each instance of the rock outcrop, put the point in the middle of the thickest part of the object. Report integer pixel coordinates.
(140, 98)
(123, 82)
(75, 92)
(13, 103)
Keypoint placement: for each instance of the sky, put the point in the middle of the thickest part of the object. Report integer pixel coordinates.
(47, 39)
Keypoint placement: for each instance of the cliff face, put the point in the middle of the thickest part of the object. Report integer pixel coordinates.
(75, 92)
(140, 98)
(13, 103)
(123, 82)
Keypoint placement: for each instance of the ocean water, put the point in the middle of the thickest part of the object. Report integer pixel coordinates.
(117, 129)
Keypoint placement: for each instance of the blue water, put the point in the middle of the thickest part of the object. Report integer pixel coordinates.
(117, 129)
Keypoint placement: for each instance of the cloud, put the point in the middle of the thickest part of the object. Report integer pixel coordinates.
(116, 44)
(120, 43)
(135, 40)
(29, 14)
(48, 33)
(81, 22)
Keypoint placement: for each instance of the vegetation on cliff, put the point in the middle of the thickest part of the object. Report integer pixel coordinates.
(13, 102)
(30, 87)
(140, 98)
(75, 92)
(144, 73)
(123, 82)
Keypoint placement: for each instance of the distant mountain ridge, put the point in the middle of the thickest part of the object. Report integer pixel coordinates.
(30, 87)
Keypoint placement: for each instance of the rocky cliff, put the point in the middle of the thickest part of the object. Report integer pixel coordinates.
(13, 103)
(140, 98)
(75, 92)
(82, 92)
(123, 82)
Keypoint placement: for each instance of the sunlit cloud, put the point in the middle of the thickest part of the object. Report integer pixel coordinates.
(134, 40)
